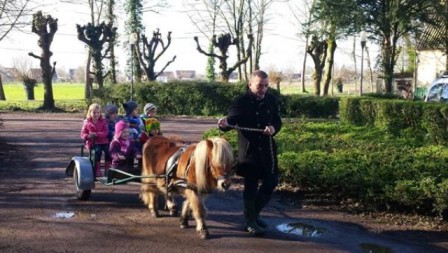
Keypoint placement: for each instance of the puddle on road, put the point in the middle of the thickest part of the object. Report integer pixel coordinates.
(301, 229)
(64, 215)
(374, 248)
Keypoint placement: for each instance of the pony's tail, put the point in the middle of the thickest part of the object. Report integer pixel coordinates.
(201, 161)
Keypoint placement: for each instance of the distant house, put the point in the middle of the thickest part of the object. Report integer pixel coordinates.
(36, 73)
(234, 77)
(166, 76)
(8, 75)
(185, 74)
(296, 77)
(431, 57)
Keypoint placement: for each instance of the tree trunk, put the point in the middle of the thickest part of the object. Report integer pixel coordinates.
(387, 63)
(40, 27)
(354, 63)
(317, 80)
(113, 64)
(318, 52)
(369, 66)
(331, 47)
(47, 75)
(2, 92)
(304, 65)
(88, 81)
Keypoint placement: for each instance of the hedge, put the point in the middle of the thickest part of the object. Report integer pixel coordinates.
(211, 99)
(398, 117)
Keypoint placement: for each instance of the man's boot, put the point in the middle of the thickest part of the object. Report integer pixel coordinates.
(260, 202)
(250, 219)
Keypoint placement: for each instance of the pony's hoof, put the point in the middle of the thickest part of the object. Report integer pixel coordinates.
(184, 223)
(204, 234)
(154, 213)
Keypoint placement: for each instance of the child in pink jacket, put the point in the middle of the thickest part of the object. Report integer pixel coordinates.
(122, 148)
(94, 132)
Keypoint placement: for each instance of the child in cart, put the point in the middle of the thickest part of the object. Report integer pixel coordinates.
(150, 122)
(135, 124)
(94, 132)
(122, 149)
(111, 113)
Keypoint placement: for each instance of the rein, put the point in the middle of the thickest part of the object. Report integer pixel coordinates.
(271, 147)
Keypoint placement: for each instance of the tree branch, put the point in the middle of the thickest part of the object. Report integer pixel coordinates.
(35, 56)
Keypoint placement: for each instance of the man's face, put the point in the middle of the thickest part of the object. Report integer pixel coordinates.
(258, 86)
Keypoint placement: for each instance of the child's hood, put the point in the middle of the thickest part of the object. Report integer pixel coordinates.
(119, 127)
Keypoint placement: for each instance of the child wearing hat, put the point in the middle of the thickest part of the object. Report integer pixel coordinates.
(94, 132)
(111, 113)
(122, 149)
(134, 122)
(150, 122)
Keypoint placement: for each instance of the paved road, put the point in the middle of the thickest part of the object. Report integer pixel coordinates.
(34, 193)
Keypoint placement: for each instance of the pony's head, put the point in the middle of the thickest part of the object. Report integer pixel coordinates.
(214, 160)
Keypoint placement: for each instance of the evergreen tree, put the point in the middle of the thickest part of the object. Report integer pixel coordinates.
(134, 11)
(211, 77)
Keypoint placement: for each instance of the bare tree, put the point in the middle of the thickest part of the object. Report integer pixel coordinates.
(95, 37)
(96, 8)
(149, 54)
(317, 49)
(302, 14)
(223, 42)
(239, 18)
(13, 15)
(206, 23)
(22, 66)
(45, 27)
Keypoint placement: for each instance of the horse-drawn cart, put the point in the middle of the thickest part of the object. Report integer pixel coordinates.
(81, 168)
(167, 169)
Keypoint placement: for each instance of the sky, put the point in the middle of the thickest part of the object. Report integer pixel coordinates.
(283, 49)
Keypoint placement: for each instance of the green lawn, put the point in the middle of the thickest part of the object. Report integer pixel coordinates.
(61, 91)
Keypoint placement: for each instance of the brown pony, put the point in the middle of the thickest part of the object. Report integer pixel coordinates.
(191, 171)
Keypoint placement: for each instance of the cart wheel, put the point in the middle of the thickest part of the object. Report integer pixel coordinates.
(80, 194)
(83, 194)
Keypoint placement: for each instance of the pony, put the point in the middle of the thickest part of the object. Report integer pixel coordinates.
(193, 172)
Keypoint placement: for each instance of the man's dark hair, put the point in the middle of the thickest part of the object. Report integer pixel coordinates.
(260, 73)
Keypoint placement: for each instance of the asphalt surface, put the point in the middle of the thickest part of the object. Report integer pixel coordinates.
(39, 211)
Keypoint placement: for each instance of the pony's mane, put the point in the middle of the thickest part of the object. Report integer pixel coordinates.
(221, 153)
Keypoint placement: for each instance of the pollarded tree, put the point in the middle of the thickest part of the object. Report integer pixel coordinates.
(149, 54)
(332, 24)
(317, 49)
(45, 27)
(239, 18)
(223, 42)
(205, 20)
(95, 37)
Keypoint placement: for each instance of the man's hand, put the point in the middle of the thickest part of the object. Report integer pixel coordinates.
(269, 130)
(222, 123)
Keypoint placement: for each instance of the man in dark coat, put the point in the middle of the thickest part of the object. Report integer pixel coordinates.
(255, 115)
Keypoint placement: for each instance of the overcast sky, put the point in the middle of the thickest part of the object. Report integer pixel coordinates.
(282, 49)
